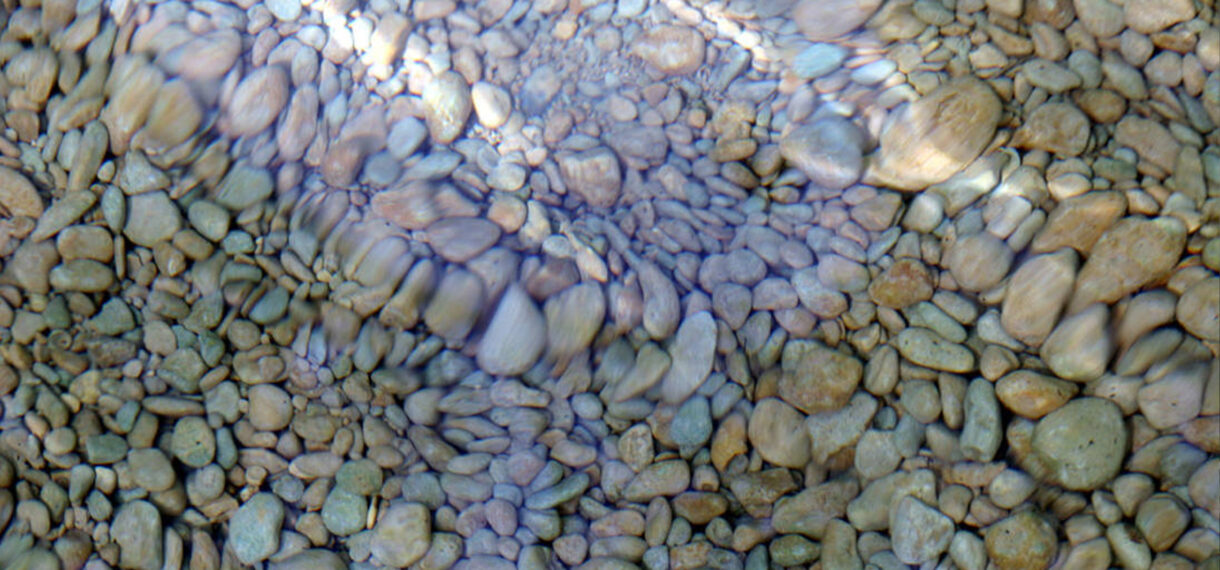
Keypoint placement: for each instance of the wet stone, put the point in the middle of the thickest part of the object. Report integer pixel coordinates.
(260, 520)
(153, 218)
(1082, 444)
(919, 532)
(137, 530)
(403, 535)
(1024, 539)
(828, 151)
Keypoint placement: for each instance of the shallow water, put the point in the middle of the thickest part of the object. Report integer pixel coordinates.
(673, 283)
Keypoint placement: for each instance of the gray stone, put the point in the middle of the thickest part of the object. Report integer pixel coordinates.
(1083, 444)
(137, 530)
(255, 528)
(403, 535)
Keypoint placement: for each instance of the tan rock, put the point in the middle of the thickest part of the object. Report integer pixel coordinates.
(1080, 347)
(823, 20)
(1080, 221)
(935, 137)
(594, 175)
(256, 102)
(447, 106)
(1199, 309)
(174, 117)
(816, 378)
(1133, 253)
(1151, 16)
(904, 283)
(1037, 293)
(1032, 395)
(1058, 128)
(979, 261)
(18, 196)
(674, 50)
(775, 430)
(1150, 139)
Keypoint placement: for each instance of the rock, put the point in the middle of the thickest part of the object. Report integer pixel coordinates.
(344, 512)
(926, 348)
(1032, 395)
(447, 106)
(1078, 222)
(831, 432)
(979, 261)
(1134, 252)
(1150, 139)
(829, 151)
(492, 104)
(256, 102)
(1101, 18)
(462, 239)
(257, 524)
(593, 175)
(919, 533)
(661, 307)
(691, 357)
(982, 429)
(1057, 128)
(793, 550)
(661, 479)
(1199, 309)
(285, 10)
(816, 378)
(1037, 293)
(64, 211)
(1022, 540)
(841, 273)
(244, 186)
(673, 50)
(515, 337)
(818, 59)
(936, 136)
(775, 430)
(151, 469)
(902, 284)
(1175, 399)
(85, 242)
(312, 559)
(821, 300)
(1082, 444)
(153, 218)
(193, 442)
(270, 407)
(1152, 16)
(457, 303)
(691, 426)
(573, 318)
(1051, 76)
(1079, 349)
(137, 530)
(84, 275)
(209, 219)
(822, 20)
(403, 535)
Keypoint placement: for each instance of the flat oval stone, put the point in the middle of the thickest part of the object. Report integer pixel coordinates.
(926, 348)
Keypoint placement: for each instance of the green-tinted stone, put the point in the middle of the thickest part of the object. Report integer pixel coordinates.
(362, 477)
(344, 512)
(104, 449)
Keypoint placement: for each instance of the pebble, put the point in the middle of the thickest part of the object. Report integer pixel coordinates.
(193, 442)
(20, 197)
(919, 532)
(403, 535)
(1022, 540)
(979, 261)
(793, 550)
(462, 239)
(154, 218)
(661, 479)
(1198, 309)
(1114, 269)
(820, 20)
(926, 348)
(1080, 347)
(818, 59)
(516, 336)
(902, 284)
(816, 378)
(344, 512)
(492, 104)
(270, 407)
(937, 135)
(1057, 128)
(776, 431)
(243, 186)
(672, 50)
(1176, 398)
(982, 430)
(1151, 140)
(1149, 17)
(594, 175)
(1082, 444)
(831, 432)
(259, 519)
(447, 106)
(84, 275)
(691, 357)
(151, 469)
(137, 530)
(1033, 395)
(257, 101)
(829, 151)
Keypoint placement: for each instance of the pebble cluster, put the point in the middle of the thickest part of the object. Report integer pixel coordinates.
(837, 284)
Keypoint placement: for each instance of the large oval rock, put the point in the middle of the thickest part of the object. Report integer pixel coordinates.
(257, 101)
(447, 105)
(674, 50)
(1082, 444)
(1036, 295)
(828, 19)
(691, 355)
(1080, 348)
(935, 137)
